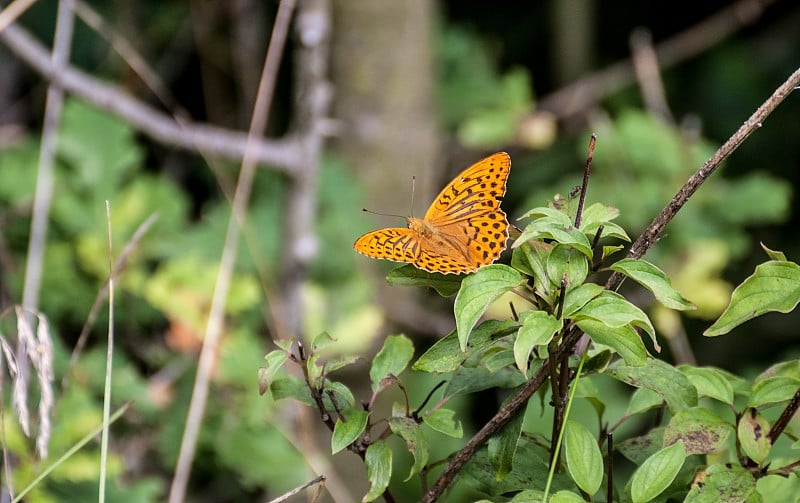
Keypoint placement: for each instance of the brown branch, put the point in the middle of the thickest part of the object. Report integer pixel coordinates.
(653, 231)
(43, 195)
(584, 93)
(521, 398)
(196, 137)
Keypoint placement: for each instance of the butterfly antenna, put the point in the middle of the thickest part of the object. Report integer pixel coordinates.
(413, 185)
(382, 214)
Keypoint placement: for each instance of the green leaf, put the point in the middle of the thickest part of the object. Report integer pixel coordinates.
(543, 229)
(643, 399)
(710, 382)
(477, 292)
(565, 262)
(547, 215)
(624, 340)
(469, 380)
(346, 431)
(773, 390)
(609, 250)
(773, 254)
(291, 387)
(774, 286)
(445, 355)
(660, 377)
(314, 370)
(339, 392)
(379, 469)
(598, 214)
(275, 360)
(701, 430)
(531, 259)
(416, 441)
(654, 279)
(321, 340)
(530, 471)
(392, 359)
(558, 497)
(584, 460)
(335, 364)
(443, 421)
(753, 433)
(726, 483)
(577, 297)
(446, 284)
(503, 445)
(538, 328)
(657, 473)
(615, 311)
(638, 449)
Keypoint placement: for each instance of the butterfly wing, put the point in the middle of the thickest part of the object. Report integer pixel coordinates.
(467, 213)
(400, 245)
(475, 191)
(405, 245)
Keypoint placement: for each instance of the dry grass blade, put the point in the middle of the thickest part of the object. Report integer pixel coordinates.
(230, 249)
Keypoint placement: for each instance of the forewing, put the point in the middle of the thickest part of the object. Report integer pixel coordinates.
(475, 191)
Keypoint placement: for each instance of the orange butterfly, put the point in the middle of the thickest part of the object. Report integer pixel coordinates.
(463, 229)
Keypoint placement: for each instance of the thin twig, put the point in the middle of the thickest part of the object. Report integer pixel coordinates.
(43, 195)
(14, 10)
(529, 388)
(119, 266)
(229, 252)
(131, 56)
(206, 139)
(319, 480)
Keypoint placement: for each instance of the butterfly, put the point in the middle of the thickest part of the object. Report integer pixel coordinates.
(463, 229)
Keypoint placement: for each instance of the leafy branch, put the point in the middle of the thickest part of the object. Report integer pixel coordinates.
(642, 244)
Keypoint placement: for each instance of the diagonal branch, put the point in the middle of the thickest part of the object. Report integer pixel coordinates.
(647, 238)
(653, 231)
(244, 185)
(161, 127)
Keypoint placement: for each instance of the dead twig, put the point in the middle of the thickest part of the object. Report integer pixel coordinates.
(230, 250)
(205, 139)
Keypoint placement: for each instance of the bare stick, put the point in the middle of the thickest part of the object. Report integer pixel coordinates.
(44, 182)
(224, 276)
(203, 138)
(119, 266)
(319, 480)
(529, 388)
(14, 10)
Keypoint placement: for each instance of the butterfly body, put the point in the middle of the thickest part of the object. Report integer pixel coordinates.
(462, 230)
